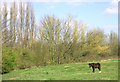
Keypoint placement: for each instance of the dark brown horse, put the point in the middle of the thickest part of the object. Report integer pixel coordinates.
(95, 65)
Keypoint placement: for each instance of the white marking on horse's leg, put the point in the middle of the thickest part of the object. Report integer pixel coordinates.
(99, 71)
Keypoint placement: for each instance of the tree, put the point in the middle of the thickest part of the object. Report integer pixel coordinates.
(96, 44)
(14, 22)
(49, 27)
(22, 24)
(32, 28)
(79, 30)
(11, 27)
(0, 26)
(0, 40)
(113, 44)
(27, 26)
(5, 38)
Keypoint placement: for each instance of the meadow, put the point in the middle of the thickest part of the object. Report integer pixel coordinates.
(73, 71)
(49, 46)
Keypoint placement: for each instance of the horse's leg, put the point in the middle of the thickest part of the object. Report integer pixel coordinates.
(99, 69)
(93, 69)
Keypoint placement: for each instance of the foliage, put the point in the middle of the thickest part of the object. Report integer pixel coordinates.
(24, 58)
(113, 44)
(54, 41)
(40, 51)
(8, 60)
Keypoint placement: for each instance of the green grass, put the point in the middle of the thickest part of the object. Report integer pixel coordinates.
(74, 71)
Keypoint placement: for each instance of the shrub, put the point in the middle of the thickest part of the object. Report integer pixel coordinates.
(8, 60)
(24, 58)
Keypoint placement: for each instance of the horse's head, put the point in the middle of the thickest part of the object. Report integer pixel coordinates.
(90, 65)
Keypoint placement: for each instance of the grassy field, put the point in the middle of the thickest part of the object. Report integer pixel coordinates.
(74, 71)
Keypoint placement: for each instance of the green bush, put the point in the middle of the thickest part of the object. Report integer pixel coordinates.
(8, 60)
(24, 58)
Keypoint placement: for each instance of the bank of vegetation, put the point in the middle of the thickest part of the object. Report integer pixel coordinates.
(54, 41)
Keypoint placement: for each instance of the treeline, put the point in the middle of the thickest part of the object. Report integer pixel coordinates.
(54, 41)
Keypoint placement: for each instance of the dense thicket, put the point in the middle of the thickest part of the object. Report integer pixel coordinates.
(54, 41)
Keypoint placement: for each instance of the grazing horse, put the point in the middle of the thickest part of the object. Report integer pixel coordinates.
(95, 65)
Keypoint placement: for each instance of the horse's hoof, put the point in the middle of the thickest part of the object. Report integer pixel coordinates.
(99, 71)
